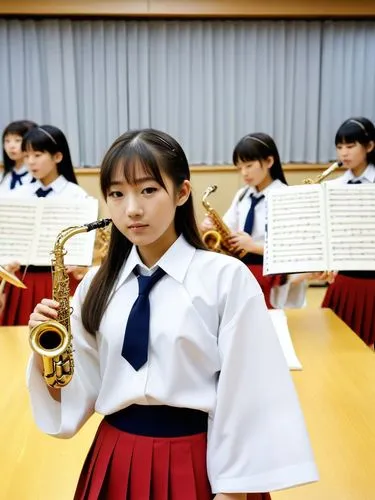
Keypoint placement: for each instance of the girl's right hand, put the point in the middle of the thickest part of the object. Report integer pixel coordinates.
(44, 311)
(206, 224)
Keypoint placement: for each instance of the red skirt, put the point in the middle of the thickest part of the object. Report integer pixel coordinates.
(266, 282)
(131, 467)
(353, 300)
(20, 302)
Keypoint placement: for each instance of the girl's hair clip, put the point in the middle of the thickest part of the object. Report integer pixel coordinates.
(47, 134)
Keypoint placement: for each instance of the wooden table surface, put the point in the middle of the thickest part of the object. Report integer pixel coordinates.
(336, 389)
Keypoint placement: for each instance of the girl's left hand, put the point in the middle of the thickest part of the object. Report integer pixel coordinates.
(241, 241)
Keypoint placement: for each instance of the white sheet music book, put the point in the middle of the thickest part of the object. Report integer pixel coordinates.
(29, 229)
(320, 227)
(280, 323)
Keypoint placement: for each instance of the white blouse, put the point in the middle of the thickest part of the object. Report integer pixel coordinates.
(60, 187)
(367, 177)
(289, 295)
(213, 348)
(235, 216)
(6, 179)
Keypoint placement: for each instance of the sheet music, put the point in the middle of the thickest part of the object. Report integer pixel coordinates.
(29, 230)
(280, 323)
(296, 231)
(17, 229)
(57, 215)
(351, 226)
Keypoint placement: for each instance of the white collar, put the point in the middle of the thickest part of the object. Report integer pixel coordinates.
(57, 185)
(275, 183)
(22, 170)
(368, 175)
(175, 262)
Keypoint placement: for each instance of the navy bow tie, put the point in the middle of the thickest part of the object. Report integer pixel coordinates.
(135, 346)
(16, 179)
(353, 181)
(249, 223)
(42, 193)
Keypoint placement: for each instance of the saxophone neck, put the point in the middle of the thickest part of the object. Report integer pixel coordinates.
(324, 174)
(206, 194)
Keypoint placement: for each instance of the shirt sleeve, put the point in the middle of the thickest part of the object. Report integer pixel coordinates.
(64, 419)
(257, 440)
(289, 296)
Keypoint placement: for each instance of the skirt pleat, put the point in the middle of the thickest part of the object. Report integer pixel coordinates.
(264, 282)
(353, 300)
(119, 474)
(20, 302)
(141, 468)
(160, 470)
(267, 282)
(122, 466)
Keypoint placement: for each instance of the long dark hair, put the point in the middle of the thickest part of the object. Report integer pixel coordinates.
(158, 153)
(20, 128)
(357, 129)
(258, 147)
(52, 140)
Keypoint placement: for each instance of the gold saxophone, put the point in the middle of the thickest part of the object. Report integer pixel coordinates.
(324, 174)
(216, 239)
(53, 339)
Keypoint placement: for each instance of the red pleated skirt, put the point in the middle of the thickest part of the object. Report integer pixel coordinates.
(123, 466)
(20, 302)
(266, 282)
(353, 300)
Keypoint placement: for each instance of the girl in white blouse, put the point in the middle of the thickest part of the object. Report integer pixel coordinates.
(352, 294)
(197, 399)
(15, 172)
(47, 156)
(257, 157)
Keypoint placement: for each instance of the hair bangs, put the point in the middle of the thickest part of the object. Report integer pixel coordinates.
(131, 161)
(350, 132)
(20, 128)
(249, 150)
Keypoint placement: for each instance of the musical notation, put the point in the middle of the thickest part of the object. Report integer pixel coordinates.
(320, 227)
(29, 230)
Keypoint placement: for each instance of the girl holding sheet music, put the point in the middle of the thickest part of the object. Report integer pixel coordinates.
(47, 156)
(257, 157)
(15, 172)
(352, 294)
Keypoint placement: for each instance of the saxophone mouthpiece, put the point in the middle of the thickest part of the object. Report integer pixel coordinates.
(98, 224)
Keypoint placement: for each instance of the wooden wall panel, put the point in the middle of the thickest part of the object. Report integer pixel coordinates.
(191, 8)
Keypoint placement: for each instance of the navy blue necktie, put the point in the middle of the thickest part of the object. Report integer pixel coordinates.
(135, 346)
(352, 181)
(249, 222)
(16, 179)
(42, 193)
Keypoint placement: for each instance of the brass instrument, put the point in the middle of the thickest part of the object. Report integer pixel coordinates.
(53, 339)
(216, 239)
(9, 277)
(324, 174)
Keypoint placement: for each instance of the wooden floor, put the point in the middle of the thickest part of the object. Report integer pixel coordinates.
(336, 389)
